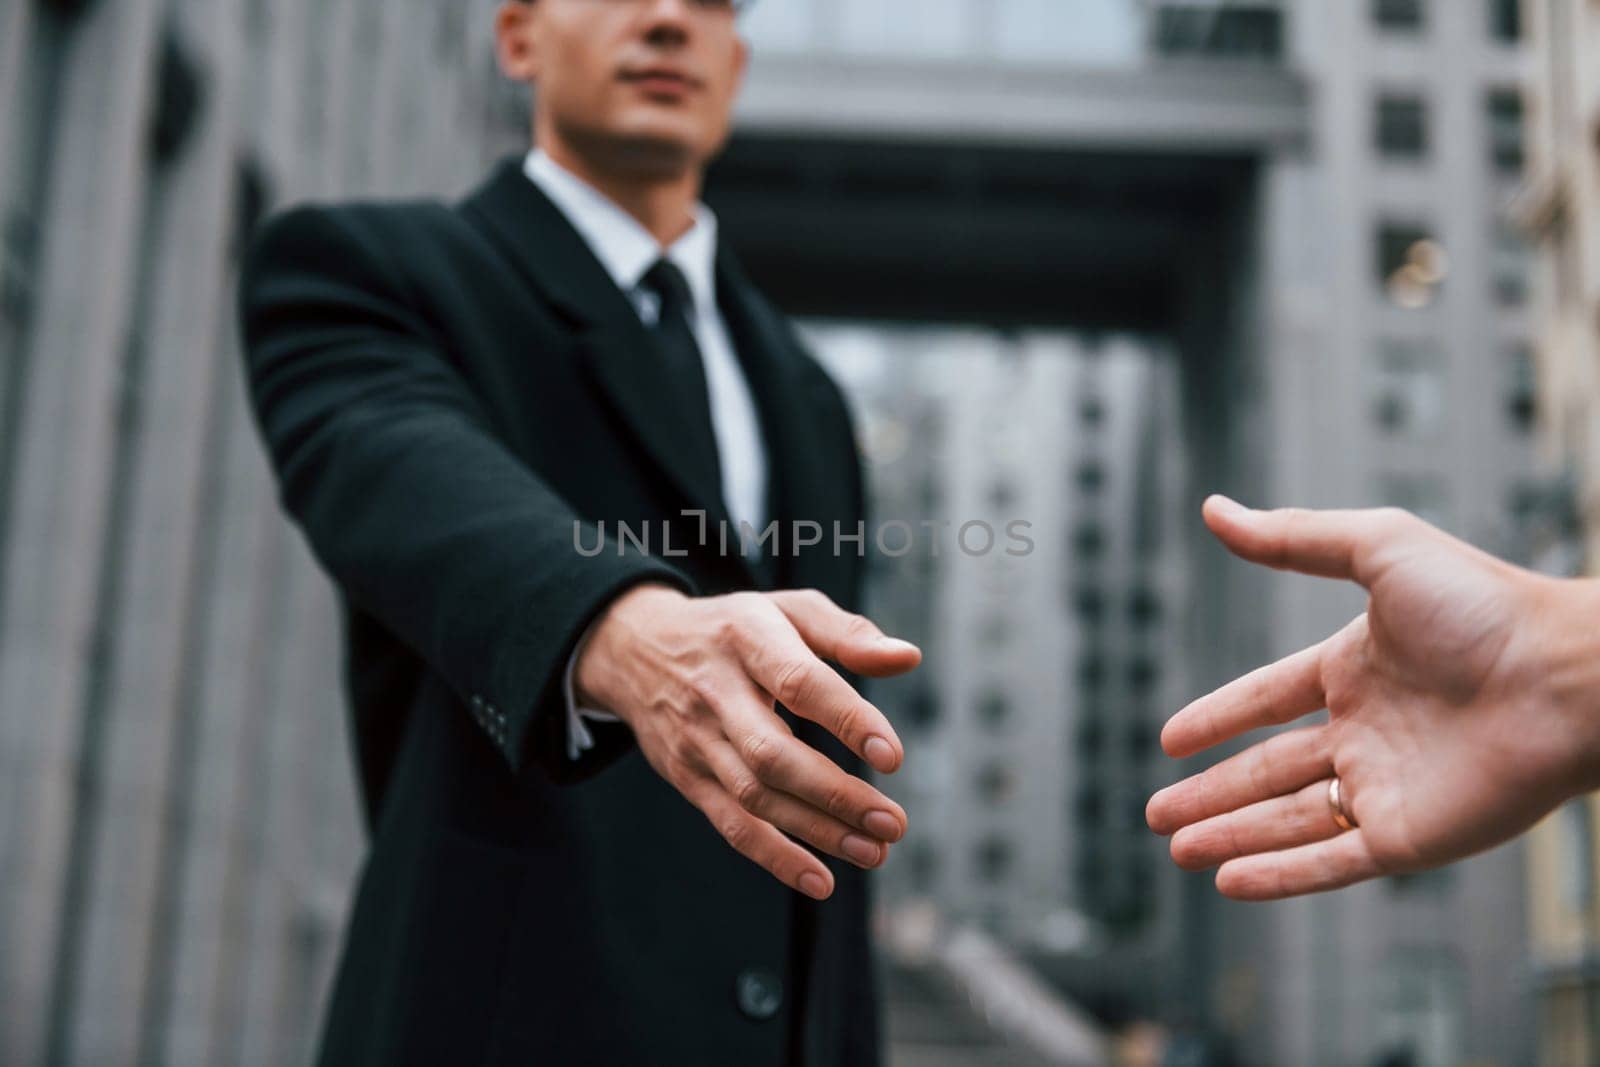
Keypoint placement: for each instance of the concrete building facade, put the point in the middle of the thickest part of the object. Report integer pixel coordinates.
(1561, 208)
(178, 828)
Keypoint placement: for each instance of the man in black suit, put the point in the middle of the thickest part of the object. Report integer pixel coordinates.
(524, 434)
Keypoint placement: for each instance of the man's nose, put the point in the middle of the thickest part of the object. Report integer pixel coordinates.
(667, 15)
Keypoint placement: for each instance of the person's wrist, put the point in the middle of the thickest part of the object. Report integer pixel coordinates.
(596, 676)
(1572, 671)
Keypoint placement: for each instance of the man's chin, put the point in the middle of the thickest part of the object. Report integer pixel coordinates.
(653, 146)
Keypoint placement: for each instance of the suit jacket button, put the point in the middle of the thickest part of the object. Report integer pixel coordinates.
(759, 993)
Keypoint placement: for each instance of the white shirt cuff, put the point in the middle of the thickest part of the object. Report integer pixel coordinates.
(579, 738)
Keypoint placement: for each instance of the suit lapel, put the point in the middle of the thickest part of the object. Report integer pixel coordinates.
(618, 352)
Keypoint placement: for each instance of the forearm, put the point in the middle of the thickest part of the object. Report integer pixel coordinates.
(1571, 679)
(387, 461)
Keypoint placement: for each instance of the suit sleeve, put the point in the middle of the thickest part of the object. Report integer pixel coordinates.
(386, 461)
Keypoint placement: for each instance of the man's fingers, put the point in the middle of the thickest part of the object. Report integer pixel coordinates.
(782, 665)
(1281, 764)
(790, 814)
(783, 762)
(1301, 818)
(1332, 864)
(1329, 544)
(760, 842)
(853, 641)
(1267, 696)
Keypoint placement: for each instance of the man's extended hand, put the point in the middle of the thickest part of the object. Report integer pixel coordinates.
(1462, 709)
(696, 680)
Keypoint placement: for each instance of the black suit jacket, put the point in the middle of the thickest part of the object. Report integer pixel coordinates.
(444, 390)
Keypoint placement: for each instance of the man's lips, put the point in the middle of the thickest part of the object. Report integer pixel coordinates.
(661, 81)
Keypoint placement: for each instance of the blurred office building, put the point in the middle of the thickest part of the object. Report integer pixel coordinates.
(1561, 207)
(178, 826)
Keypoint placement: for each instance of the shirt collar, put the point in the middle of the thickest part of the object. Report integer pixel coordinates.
(622, 245)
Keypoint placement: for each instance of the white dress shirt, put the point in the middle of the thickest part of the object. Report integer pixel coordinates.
(627, 251)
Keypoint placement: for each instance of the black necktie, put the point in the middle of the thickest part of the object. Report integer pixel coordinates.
(675, 340)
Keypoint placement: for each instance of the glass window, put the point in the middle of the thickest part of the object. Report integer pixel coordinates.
(1002, 498)
(1089, 541)
(1143, 675)
(1235, 31)
(922, 710)
(994, 856)
(1144, 607)
(1090, 604)
(1408, 396)
(1091, 736)
(1091, 477)
(924, 865)
(1512, 265)
(1505, 130)
(1404, 15)
(1522, 394)
(1092, 410)
(1142, 743)
(994, 709)
(1401, 126)
(1421, 1008)
(1505, 21)
(996, 783)
(1092, 672)
(1411, 264)
(1091, 805)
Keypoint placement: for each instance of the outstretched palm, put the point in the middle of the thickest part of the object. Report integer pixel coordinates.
(1437, 728)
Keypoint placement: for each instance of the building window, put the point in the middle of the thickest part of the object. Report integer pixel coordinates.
(1411, 264)
(1505, 131)
(1143, 675)
(1092, 410)
(1090, 604)
(1089, 541)
(993, 857)
(1513, 262)
(1002, 498)
(1092, 673)
(1421, 1016)
(1522, 396)
(1409, 391)
(1401, 126)
(1142, 744)
(1235, 31)
(1144, 607)
(922, 711)
(1091, 478)
(994, 709)
(1091, 805)
(923, 863)
(1402, 15)
(996, 783)
(1091, 736)
(1505, 21)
